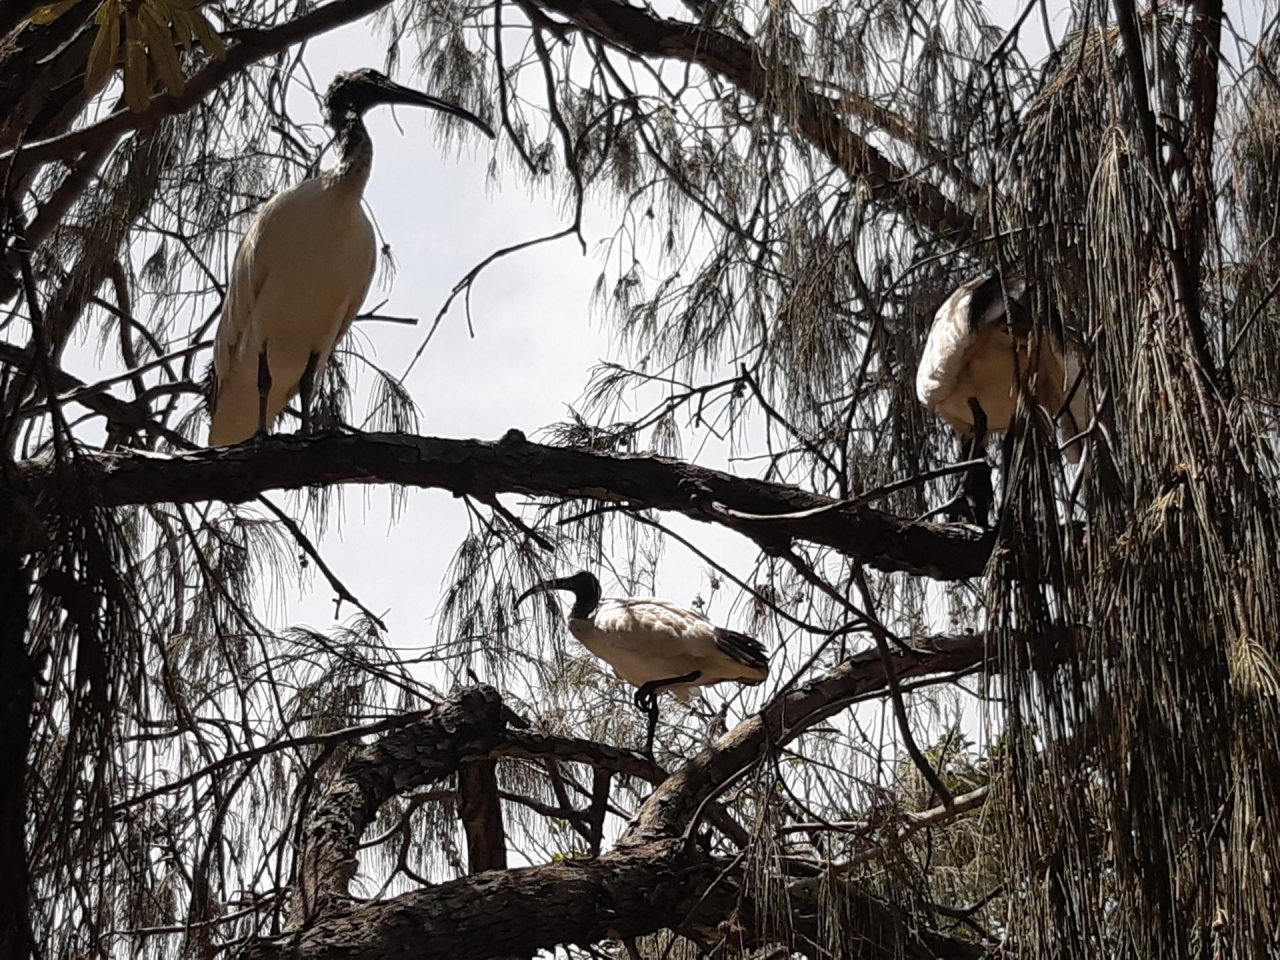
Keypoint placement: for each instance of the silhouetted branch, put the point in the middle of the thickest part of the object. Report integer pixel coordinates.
(250, 47)
(819, 119)
(514, 465)
(653, 880)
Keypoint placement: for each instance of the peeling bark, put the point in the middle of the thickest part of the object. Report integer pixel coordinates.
(771, 514)
(626, 893)
(655, 879)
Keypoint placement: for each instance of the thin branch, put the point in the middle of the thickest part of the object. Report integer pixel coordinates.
(251, 46)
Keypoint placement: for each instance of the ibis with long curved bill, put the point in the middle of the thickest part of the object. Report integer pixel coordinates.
(980, 350)
(302, 271)
(656, 645)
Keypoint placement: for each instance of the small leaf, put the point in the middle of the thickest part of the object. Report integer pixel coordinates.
(163, 52)
(136, 94)
(50, 12)
(103, 55)
(182, 26)
(208, 36)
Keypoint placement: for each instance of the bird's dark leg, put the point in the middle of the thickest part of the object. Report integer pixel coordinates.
(646, 699)
(977, 479)
(264, 390)
(305, 389)
(652, 728)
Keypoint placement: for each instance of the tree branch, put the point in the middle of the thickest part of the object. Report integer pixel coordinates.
(252, 45)
(481, 813)
(466, 725)
(514, 465)
(673, 806)
(653, 880)
(817, 118)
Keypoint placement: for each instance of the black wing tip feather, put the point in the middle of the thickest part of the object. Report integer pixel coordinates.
(746, 650)
(988, 304)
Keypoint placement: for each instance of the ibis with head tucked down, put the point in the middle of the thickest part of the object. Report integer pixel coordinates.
(302, 271)
(657, 645)
(979, 351)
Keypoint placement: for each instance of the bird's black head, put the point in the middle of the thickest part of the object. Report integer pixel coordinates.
(352, 93)
(585, 589)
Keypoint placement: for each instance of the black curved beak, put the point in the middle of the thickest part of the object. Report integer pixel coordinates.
(392, 92)
(546, 586)
(536, 588)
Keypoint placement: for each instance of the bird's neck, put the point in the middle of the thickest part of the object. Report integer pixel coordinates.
(355, 155)
(585, 602)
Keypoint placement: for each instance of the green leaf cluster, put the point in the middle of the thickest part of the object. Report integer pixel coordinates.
(143, 35)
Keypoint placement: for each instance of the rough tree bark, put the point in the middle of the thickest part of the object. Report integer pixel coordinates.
(463, 728)
(481, 813)
(657, 877)
(770, 514)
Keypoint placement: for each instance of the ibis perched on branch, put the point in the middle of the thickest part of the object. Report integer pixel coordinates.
(657, 645)
(980, 350)
(302, 271)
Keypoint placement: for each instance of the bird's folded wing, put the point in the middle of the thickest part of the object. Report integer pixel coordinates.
(746, 650)
(354, 306)
(237, 303)
(945, 350)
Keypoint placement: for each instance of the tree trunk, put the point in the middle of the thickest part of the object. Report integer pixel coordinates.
(481, 812)
(16, 698)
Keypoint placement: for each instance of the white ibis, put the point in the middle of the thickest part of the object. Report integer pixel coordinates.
(656, 644)
(978, 352)
(302, 271)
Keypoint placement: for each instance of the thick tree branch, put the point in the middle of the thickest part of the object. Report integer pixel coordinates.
(673, 806)
(512, 912)
(654, 880)
(817, 118)
(465, 726)
(769, 513)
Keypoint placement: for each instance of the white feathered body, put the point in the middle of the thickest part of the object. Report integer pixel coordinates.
(646, 639)
(980, 357)
(300, 276)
